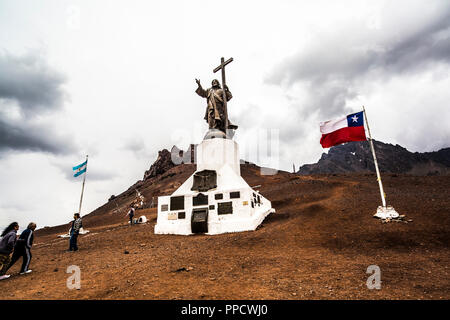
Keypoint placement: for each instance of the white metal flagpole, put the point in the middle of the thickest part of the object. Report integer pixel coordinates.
(383, 212)
(82, 188)
(383, 195)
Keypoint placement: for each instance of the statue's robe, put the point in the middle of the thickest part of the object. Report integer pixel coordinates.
(215, 111)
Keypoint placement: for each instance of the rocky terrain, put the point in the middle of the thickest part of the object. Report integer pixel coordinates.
(318, 244)
(357, 157)
(161, 165)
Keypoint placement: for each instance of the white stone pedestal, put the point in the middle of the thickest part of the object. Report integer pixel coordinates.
(230, 207)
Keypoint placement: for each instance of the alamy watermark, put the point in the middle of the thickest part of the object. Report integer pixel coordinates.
(374, 281)
(74, 281)
(73, 21)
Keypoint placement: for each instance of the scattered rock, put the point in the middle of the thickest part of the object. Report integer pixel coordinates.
(187, 269)
(126, 252)
(56, 270)
(401, 218)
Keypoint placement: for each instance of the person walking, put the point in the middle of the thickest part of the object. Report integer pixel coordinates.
(22, 249)
(77, 224)
(131, 214)
(7, 243)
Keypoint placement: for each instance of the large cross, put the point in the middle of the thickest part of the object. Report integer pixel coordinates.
(222, 65)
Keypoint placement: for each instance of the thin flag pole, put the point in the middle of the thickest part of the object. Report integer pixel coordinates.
(383, 196)
(82, 188)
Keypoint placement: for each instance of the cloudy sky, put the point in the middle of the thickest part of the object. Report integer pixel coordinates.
(115, 80)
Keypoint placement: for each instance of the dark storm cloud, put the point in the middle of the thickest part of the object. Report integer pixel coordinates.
(28, 84)
(24, 136)
(336, 58)
(335, 65)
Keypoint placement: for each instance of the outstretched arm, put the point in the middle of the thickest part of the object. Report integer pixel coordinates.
(200, 91)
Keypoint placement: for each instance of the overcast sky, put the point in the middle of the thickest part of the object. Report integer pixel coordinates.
(115, 80)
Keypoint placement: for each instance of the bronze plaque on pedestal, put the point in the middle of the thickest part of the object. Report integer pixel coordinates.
(204, 180)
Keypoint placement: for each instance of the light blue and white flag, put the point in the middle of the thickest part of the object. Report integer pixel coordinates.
(80, 169)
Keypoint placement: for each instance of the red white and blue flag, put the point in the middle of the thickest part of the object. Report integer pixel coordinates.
(344, 129)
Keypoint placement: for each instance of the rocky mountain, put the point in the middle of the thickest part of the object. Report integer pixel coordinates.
(357, 157)
(161, 165)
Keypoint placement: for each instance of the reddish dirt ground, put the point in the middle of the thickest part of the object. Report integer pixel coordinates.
(317, 245)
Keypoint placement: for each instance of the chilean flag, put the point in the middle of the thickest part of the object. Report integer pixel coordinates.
(345, 129)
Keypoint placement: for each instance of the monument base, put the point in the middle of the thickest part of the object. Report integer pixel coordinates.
(215, 199)
(387, 212)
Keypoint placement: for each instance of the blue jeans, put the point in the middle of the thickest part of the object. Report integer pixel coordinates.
(73, 242)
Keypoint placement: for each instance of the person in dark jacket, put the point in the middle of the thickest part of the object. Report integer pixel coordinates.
(7, 243)
(22, 249)
(74, 232)
(130, 214)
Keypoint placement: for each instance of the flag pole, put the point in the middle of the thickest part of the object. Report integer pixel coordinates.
(82, 188)
(383, 195)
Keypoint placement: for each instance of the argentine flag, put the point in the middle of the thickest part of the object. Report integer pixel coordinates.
(80, 169)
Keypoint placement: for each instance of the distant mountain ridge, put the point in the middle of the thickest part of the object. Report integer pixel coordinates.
(357, 157)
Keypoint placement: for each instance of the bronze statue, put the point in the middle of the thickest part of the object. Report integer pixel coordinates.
(215, 112)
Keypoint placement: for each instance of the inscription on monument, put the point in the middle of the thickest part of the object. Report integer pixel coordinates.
(225, 208)
(200, 200)
(235, 195)
(177, 203)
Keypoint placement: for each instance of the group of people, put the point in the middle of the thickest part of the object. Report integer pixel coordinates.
(20, 246)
